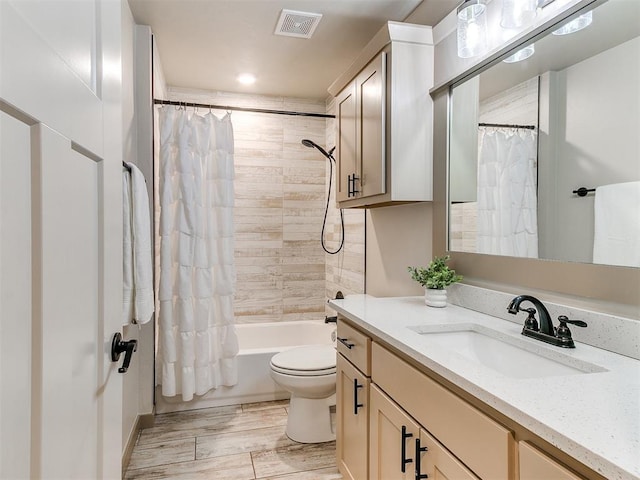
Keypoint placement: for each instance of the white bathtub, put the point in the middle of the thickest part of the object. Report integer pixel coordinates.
(258, 343)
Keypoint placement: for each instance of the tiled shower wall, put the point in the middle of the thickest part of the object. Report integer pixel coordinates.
(280, 186)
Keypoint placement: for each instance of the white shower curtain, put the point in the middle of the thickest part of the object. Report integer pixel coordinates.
(507, 200)
(197, 340)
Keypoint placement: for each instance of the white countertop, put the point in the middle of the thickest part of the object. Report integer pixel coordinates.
(593, 417)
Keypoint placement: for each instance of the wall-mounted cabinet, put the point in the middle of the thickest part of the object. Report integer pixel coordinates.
(384, 119)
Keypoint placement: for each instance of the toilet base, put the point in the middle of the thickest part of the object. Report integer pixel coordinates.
(309, 419)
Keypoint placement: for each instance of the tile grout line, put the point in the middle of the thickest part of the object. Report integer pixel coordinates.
(253, 466)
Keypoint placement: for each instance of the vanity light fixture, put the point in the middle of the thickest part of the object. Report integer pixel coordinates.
(583, 21)
(521, 54)
(516, 13)
(472, 28)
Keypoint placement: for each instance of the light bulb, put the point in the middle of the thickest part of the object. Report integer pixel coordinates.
(583, 21)
(472, 29)
(521, 54)
(516, 13)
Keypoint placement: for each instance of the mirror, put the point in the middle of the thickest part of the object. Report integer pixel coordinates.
(526, 136)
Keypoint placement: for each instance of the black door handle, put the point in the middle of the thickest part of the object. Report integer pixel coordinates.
(356, 405)
(345, 342)
(403, 450)
(419, 450)
(118, 346)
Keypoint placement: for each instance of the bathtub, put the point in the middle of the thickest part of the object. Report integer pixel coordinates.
(258, 343)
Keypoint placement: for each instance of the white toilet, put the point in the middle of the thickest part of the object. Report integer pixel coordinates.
(309, 374)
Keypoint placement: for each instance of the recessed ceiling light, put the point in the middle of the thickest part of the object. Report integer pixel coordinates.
(247, 79)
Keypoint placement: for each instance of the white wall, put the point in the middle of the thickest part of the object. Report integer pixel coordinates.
(137, 392)
(397, 237)
(587, 152)
(131, 378)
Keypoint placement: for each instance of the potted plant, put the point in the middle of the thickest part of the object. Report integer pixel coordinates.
(435, 279)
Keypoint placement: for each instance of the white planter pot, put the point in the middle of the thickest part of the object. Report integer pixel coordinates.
(435, 298)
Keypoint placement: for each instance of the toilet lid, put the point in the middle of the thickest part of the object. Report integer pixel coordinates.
(309, 360)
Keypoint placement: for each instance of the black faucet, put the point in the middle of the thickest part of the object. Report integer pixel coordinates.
(546, 325)
(560, 336)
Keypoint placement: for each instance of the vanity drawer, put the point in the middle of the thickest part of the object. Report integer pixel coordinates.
(355, 346)
(485, 446)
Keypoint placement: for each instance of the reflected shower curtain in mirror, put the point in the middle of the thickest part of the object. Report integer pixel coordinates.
(197, 341)
(507, 200)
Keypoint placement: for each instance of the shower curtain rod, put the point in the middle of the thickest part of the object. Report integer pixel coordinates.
(505, 125)
(241, 109)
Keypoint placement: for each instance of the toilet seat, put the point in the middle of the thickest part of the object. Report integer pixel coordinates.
(306, 361)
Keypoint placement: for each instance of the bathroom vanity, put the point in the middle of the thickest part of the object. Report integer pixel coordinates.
(462, 394)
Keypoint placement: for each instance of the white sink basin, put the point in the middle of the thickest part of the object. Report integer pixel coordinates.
(510, 356)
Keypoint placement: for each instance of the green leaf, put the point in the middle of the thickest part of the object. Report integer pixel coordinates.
(436, 276)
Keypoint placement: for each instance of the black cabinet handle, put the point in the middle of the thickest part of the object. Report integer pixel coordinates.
(419, 450)
(351, 185)
(356, 405)
(346, 343)
(403, 450)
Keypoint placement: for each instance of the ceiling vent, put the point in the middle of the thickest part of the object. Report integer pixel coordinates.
(297, 24)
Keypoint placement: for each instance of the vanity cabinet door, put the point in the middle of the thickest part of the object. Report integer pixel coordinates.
(392, 435)
(535, 465)
(352, 420)
(436, 462)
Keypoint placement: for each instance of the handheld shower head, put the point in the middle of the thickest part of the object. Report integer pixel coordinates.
(311, 144)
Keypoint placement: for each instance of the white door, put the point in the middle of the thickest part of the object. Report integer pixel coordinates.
(60, 238)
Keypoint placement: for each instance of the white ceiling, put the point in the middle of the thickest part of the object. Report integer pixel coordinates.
(206, 44)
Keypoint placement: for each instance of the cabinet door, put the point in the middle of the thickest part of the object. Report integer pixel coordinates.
(436, 462)
(346, 148)
(371, 84)
(535, 465)
(352, 409)
(392, 435)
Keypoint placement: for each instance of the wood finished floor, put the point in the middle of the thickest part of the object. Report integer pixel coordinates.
(238, 442)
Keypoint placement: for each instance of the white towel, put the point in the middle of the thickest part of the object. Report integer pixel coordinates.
(617, 225)
(127, 251)
(138, 302)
